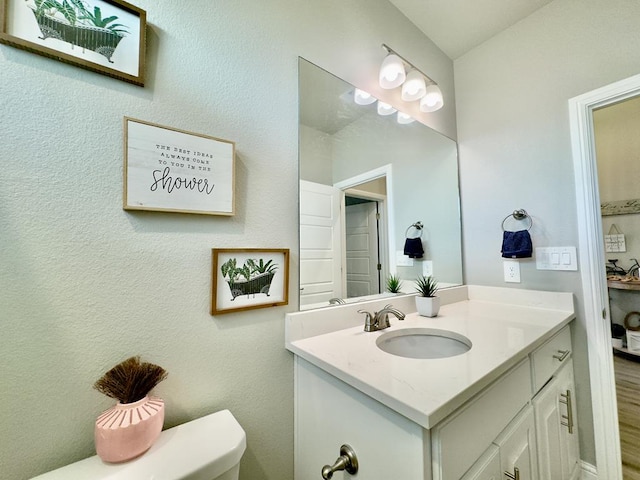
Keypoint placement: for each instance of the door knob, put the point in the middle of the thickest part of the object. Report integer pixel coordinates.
(346, 461)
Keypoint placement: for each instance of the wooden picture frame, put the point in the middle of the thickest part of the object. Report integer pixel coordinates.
(249, 278)
(171, 170)
(104, 36)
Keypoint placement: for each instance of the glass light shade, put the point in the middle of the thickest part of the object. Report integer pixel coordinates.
(385, 108)
(363, 98)
(405, 118)
(432, 99)
(414, 87)
(392, 72)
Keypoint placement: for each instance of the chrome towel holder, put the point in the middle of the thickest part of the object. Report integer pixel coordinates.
(519, 215)
(418, 226)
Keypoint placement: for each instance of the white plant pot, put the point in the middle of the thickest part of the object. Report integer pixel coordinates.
(428, 306)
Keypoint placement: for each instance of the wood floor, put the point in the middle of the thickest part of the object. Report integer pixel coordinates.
(627, 372)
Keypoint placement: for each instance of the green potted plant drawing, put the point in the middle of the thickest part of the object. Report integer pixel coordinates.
(74, 22)
(253, 277)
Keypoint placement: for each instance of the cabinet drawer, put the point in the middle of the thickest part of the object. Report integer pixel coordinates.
(547, 359)
(459, 440)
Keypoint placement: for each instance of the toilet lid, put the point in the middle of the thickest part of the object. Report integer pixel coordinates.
(203, 448)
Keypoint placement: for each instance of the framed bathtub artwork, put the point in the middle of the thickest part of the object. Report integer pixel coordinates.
(172, 170)
(249, 278)
(105, 36)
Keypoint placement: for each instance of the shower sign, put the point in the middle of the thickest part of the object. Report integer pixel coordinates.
(171, 170)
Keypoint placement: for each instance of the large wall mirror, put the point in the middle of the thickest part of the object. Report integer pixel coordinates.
(366, 181)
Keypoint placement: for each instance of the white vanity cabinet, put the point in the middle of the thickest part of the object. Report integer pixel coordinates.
(494, 413)
(557, 432)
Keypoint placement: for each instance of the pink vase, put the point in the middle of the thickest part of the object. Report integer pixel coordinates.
(127, 430)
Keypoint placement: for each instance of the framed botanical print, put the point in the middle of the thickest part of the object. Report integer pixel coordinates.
(248, 278)
(105, 36)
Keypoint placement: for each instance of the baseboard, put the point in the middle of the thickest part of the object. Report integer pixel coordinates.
(588, 471)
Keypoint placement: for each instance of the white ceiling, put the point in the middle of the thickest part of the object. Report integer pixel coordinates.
(458, 26)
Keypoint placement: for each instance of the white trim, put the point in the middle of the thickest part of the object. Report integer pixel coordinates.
(594, 288)
(588, 471)
(385, 171)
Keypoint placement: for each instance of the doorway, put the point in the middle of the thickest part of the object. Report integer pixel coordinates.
(593, 275)
(362, 246)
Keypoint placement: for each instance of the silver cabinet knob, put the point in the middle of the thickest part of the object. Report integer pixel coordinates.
(347, 461)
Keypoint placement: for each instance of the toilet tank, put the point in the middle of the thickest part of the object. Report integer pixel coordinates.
(208, 448)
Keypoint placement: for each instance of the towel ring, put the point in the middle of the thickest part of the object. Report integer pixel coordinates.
(519, 215)
(418, 226)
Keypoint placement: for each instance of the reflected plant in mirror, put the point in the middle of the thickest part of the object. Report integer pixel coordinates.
(394, 284)
(365, 178)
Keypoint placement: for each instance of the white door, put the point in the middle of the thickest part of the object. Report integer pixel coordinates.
(320, 243)
(361, 231)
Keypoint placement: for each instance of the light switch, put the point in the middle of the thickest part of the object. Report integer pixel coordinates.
(556, 258)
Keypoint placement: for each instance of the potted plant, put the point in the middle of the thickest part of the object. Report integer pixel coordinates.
(427, 303)
(394, 284)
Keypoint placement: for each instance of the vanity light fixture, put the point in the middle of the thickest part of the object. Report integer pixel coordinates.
(392, 73)
(432, 99)
(385, 108)
(415, 85)
(404, 118)
(363, 98)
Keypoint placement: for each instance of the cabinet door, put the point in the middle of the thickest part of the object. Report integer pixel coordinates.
(556, 429)
(569, 443)
(487, 467)
(548, 417)
(518, 447)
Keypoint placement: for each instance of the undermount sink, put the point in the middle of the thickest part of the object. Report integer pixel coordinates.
(423, 343)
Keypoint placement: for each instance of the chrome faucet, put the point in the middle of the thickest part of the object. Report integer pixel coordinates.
(336, 301)
(380, 320)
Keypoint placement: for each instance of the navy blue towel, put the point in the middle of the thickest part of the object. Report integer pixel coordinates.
(413, 247)
(517, 244)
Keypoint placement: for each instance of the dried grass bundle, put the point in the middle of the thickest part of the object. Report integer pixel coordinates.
(131, 380)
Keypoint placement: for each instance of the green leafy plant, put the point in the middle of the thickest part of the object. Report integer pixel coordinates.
(394, 284)
(426, 286)
(250, 269)
(75, 11)
(259, 267)
(96, 19)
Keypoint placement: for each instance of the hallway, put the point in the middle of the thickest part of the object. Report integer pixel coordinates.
(627, 372)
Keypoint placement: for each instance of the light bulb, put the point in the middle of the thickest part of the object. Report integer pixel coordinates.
(385, 108)
(392, 72)
(363, 98)
(405, 118)
(414, 86)
(432, 100)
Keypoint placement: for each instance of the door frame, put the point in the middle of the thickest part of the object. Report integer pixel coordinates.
(593, 273)
(387, 223)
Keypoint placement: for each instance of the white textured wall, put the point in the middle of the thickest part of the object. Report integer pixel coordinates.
(515, 151)
(84, 284)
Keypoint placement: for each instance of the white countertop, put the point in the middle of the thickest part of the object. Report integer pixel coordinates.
(504, 326)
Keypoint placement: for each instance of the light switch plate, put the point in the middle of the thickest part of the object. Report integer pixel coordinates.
(556, 258)
(402, 260)
(427, 268)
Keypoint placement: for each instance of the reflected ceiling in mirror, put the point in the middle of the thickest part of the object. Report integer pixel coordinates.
(364, 180)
